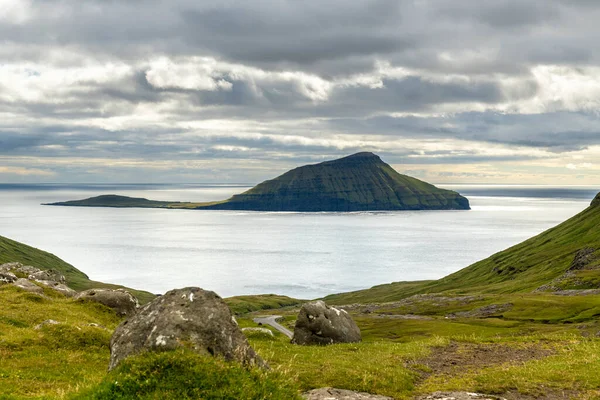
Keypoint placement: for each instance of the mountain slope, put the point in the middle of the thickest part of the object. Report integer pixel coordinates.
(564, 257)
(360, 182)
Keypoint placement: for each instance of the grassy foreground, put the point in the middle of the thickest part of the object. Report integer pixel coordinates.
(544, 345)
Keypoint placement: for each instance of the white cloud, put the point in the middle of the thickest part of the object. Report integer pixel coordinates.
(52, 84)
(209, 74)
(15, 12)
(580, 166)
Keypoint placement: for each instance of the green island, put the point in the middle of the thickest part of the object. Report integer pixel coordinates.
(359, 182)
(521, 324)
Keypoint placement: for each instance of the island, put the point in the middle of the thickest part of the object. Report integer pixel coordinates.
(359, 182)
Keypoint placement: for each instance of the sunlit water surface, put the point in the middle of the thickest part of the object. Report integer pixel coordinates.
(305, 255)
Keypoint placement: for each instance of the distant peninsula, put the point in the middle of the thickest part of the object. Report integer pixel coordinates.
(359, 182)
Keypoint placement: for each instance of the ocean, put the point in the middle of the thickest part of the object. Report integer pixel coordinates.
(303, 255)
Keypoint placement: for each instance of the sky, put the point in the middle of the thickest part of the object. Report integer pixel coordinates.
(449, 91)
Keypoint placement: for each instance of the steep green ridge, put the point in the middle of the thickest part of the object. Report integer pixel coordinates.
(544, 262)
(360, 182)
(13, 251)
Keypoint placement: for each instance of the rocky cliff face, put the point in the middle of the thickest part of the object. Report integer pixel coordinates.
(360, 182)
(596, 201)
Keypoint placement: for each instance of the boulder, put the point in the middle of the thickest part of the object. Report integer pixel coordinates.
(191, 317)
(44, 323)
(28, 286)
(340, 394)
(27, 269)
(319, 323)
(59, 287)
(48, 275)
(123, 302)
(10, 266)
(7, 277)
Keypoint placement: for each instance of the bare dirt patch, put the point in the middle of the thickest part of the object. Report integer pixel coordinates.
(460, 357)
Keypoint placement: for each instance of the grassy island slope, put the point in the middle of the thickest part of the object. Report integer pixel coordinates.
(360, 182)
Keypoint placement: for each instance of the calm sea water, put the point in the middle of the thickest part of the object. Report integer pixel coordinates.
(304, 255)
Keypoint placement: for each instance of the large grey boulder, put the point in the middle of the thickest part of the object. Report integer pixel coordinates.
(191, 318)
(340, 394)
(123, 302)
(28, 286)
(48, 275)
(319, 323)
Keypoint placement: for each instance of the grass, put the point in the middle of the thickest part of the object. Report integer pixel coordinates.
(571, 372)
(69, 361)
(388, 361)
(180, 375)
(56, 359)
(13, 251)
(246, 304)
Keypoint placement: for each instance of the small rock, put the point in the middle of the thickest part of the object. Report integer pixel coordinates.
(46, 322)
(341, 394)
(48, 275)
(193, 318)
(7, 277)
(95, 325)
(123, 302)
(28, 286)
(265, 331)
(319, 323)
(59, 287)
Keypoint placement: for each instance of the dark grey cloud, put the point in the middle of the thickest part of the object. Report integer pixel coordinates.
(298, 81)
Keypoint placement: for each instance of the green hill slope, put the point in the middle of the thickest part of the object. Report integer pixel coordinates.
(13, 251)
(564, 257)
(360, 182)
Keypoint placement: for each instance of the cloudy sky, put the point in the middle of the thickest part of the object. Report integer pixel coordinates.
(451, 91)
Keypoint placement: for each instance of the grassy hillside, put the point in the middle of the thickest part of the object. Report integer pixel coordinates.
(13, 251)
(359, 182)
(545, 345)
(543, 260)
(246, 304)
